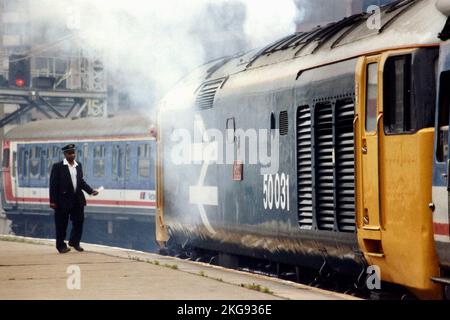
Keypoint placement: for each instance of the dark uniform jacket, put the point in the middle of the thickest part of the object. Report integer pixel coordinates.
(61, 187)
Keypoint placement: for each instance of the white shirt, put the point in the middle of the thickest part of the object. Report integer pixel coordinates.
(73, 172)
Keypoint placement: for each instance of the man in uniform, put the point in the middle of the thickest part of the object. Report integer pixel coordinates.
(67, 199)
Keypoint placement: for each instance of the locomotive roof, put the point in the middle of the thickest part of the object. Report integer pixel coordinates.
(116, 126)
(404, 24)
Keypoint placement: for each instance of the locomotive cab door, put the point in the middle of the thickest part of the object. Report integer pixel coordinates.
(367, 144)
(394, 150)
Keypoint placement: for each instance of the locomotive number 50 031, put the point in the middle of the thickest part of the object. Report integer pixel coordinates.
(276, 192)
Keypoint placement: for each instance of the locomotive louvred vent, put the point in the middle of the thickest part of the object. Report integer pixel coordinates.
(345, 166)
(207, 93)
(324, 166)
(304, 174)
(284, 123)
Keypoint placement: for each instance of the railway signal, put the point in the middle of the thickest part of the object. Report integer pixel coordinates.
(19, 71)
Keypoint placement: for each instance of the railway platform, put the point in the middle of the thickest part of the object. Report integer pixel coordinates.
(32, 269)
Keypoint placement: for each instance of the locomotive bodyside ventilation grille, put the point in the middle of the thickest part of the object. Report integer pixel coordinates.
(304, 174)
(324, 171)
(345, 166)
(207, 92)
(284, 123)
(326, 166)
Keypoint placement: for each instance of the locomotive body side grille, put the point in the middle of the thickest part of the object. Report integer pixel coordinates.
(345, 166)
(326, 166)
(304, 168)
(207, 93)
(284, 123)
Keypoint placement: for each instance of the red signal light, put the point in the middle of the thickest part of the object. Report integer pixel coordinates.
(20, 82)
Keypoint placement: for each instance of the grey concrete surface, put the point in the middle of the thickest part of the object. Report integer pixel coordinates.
(32, 269)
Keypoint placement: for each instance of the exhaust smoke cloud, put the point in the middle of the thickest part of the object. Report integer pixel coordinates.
(147, 46)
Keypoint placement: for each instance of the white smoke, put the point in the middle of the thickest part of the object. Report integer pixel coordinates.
(268, 20)
(150, 45)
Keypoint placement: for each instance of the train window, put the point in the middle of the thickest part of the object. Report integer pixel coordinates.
(34, 162)
(14, 166)
(397, 95)
(85, 159)
(371, 97)
(144, 161)
(57, 154)
(50, 157)
(120, 163)
(79, 154)
(99, 151)
(443, 118)
(127, 161)
(6, 158)
(25, 163)
(117, 161)
(99, 161)
(43, 168)
(20, 161)
(114, 161)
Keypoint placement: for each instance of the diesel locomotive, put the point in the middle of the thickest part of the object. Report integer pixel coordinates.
(358, 112)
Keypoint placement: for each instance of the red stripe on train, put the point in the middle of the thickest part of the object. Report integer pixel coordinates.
(7, 184)
(442, 229)
(11, 198)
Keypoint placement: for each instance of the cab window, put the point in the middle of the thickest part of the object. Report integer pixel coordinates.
(443, 118)
(398, 116)
(371, 97)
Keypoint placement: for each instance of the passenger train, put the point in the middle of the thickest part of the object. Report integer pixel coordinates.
(117, 153)
(361, 113)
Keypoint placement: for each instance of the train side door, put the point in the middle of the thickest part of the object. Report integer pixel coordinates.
(14, 168)
(118, 170)
(367, 129)
(129, 173)
(24, 173)
(441, 167)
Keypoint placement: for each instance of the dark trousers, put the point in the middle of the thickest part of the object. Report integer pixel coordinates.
(76, 215)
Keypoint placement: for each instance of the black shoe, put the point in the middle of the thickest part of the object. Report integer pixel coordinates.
(64, 250)
(77, 247)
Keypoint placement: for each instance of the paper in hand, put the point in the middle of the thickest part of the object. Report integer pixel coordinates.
(98, 190)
